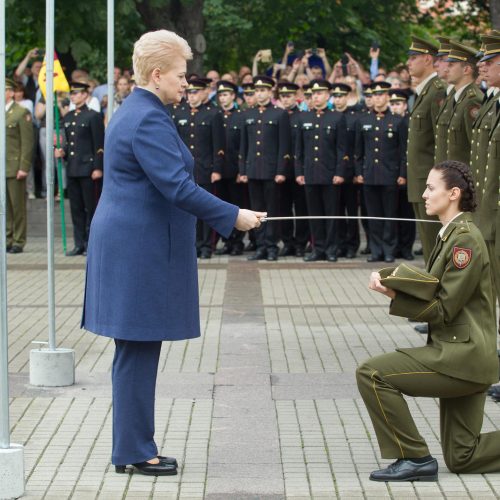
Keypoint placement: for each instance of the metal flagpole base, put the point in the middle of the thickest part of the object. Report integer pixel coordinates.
(12, 471)
(52, 368)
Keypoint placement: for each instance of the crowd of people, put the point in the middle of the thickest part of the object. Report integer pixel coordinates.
(299, 137)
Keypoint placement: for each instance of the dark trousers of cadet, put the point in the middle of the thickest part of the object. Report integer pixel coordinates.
(16, 217)
(232, 192)
(265, 197)
(293, 202)
(382, 201)
(205, 235)
(246, 204)
(135, 366)
(384, 379)
(83, 195)
(406, 230)
(427, 231)
(323, 200)
(348, 230)
(362, 206)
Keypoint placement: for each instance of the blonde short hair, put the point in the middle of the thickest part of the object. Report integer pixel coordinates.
(156, 49)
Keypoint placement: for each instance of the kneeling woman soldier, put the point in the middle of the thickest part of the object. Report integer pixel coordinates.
(460, 359)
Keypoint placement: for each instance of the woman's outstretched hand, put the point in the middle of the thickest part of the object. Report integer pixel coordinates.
(248, 219)
(375, 284)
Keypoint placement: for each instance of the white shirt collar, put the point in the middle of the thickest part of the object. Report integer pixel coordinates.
(421, 85)
(9, 105)
(459, 92)
(443, 229)
(449, 89)
(495, 90)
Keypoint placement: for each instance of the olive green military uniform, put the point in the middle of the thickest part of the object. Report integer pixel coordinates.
(19, 144)
(481, 130)
(421, 141)
(457, 364)
(489, 193)
(442, 123)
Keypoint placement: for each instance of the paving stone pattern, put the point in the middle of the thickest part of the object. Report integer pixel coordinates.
(262, 406)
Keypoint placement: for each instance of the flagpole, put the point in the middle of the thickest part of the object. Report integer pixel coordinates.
(52, 366)
(111, 58)
(11, 455)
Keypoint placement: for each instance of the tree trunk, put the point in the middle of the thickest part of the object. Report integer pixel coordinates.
(183, 17)
(495, 14)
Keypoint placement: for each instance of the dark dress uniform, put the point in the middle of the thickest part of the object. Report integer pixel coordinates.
(421, 144)
(381, 158)
(295, 234)
(265, 151)
(202, 131)
(83, 151)
(456, 366)
(228, 189)
(320, 149)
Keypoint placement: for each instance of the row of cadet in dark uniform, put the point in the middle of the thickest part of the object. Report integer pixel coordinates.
(322, 162)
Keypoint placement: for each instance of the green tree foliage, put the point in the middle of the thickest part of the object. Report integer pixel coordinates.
(234, 29)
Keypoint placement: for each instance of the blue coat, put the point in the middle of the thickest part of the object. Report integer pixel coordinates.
(142, 277)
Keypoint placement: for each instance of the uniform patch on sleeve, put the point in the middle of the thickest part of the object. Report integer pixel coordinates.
(461, 257)
(28, 117)
(474, 111)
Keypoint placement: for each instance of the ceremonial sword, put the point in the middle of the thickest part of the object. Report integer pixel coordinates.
(344, 217)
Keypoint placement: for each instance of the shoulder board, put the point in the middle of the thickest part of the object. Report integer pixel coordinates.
(438, 83)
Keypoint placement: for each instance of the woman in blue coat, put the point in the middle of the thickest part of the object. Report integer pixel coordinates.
(142, 286)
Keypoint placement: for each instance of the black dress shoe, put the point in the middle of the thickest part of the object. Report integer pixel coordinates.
(341, 253)
(350, 254)
(407, 470)
(419, 251)
(168, 460)
(76, 251)
(15, 249)
(260, 254)
(8, 248)
(205, 254)
(236, 250)
(159, 469)
(407, 256)
(389, 259)
(225, 250)
(272, 254)
(251, 247)
(373, 258)
(423, 328)
(365, 251)
(299, 252)
(314, 256)
(287, 250)
(331, 257)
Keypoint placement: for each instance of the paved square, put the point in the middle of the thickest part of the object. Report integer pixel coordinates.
(262, 406)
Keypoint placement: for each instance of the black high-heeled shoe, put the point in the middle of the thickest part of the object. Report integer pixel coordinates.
(168, 460)
(148, 469)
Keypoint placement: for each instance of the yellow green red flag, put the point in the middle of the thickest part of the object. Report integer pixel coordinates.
(60, 82)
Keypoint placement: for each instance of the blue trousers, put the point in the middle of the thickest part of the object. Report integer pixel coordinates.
(135, 366)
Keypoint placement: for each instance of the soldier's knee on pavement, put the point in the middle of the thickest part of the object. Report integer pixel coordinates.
(458, 463)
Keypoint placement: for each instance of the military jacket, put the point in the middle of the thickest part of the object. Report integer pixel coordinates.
(464, 113)
(380, 151)
(294, 115)
(320, 147)
(233, 124)
(488, 209)
(462, 326)
(19, 140)
(442, 123)
(84, 149)
(265, 145)
(202, 130)
(347, 167)
(481, 129)
(421, 136)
